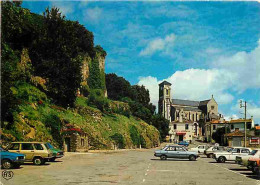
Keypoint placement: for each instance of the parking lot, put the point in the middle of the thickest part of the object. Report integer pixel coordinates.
(131, 167)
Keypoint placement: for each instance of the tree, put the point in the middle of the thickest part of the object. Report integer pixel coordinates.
(117, 87)
(218, 136)
(161, 124)
(57, 55)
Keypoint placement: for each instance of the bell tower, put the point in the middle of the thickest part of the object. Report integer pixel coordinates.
(164, 104)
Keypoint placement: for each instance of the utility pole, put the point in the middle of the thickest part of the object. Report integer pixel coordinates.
(241, 105)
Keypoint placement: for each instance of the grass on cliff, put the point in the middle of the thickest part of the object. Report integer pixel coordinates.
(36, 119)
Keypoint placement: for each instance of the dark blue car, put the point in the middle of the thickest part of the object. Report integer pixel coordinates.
(11, 159)
(184, 143)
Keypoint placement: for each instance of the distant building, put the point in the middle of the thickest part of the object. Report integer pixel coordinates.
(185, 114)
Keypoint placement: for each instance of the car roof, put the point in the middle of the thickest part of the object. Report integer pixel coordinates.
(33, 142)
(174, 145)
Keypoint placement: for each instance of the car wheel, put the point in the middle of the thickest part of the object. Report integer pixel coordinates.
(7, 164)
(221, 159)
(38, 161)
(52, 159)
(163, 157)
(192, 158)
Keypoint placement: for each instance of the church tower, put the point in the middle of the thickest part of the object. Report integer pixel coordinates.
(164, 104)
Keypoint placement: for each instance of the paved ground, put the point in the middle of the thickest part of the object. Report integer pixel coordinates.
(131, 167)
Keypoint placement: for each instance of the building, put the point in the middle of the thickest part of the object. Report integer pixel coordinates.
(237, 135)
(180, 131)
(75, 139)
(239, 124)
(212, 126)
(185, 112)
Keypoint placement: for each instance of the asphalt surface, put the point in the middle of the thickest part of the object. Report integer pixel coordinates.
(131, 167)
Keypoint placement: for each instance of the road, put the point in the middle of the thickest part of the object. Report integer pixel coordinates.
(131, 167)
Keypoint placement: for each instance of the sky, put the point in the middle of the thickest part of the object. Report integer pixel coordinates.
(202, 48)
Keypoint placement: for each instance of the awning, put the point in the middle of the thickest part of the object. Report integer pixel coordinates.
(181, 133)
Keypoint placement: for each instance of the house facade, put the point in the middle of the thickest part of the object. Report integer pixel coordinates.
(187, 116)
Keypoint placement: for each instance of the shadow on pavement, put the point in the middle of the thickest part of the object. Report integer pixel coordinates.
(239, 169)
(183, 160)
(31, 164)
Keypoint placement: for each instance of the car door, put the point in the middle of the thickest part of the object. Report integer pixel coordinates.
(28, 150)
(201, 149)
(235, 152)
(171, 153)
(181, 152)
(39, 150)
(244, 152)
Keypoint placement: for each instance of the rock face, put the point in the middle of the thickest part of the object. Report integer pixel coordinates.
(86, 66)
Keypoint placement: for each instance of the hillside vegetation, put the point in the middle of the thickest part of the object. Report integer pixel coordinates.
(43, 86)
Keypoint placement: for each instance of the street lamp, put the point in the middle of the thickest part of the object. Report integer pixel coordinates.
(241, 105)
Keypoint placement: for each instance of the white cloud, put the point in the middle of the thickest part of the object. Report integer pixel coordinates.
(236, 73)
(159, 44)
(243, 67)
(65, 7)
(93, 14)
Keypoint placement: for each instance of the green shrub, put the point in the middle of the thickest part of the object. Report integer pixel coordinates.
(85, 90)
(28, 93)
(98, 100)
(119, 140)
(135, 136)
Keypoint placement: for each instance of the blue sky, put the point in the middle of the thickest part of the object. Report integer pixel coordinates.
(202, 48)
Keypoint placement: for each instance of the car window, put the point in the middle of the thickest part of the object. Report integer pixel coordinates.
(179, 149)
(27, 146)
(201, 147)
(236, 150)
(245, 151)
(14, 146)
(38, 146)
(170, 148)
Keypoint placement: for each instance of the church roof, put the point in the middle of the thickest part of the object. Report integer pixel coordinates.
(204, 102)
(185, 102)
(165, 83)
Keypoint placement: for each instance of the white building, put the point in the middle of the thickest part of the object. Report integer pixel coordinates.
(181, 131)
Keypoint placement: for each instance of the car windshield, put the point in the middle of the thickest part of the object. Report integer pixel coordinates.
(164, 148)
(229, 149)
(1, 149)
(253, 152)
(49, 146)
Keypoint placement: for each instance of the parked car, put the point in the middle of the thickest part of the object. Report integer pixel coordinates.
(184, 143)
(200, 148)
(57, 153)
(213, 149)
(243, 160)
(35, 152)
(254, 164)
(11, 160)
(175, 151)
(231, 156)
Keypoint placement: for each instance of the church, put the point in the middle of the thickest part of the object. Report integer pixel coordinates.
(187, 117)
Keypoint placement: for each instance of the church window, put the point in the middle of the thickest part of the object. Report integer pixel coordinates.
(167, 92)
(174, 126)
(212, 107)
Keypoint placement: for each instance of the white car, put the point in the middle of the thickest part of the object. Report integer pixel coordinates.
(243, 160)
(199, 149)
(231, 156)
(211, 150)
